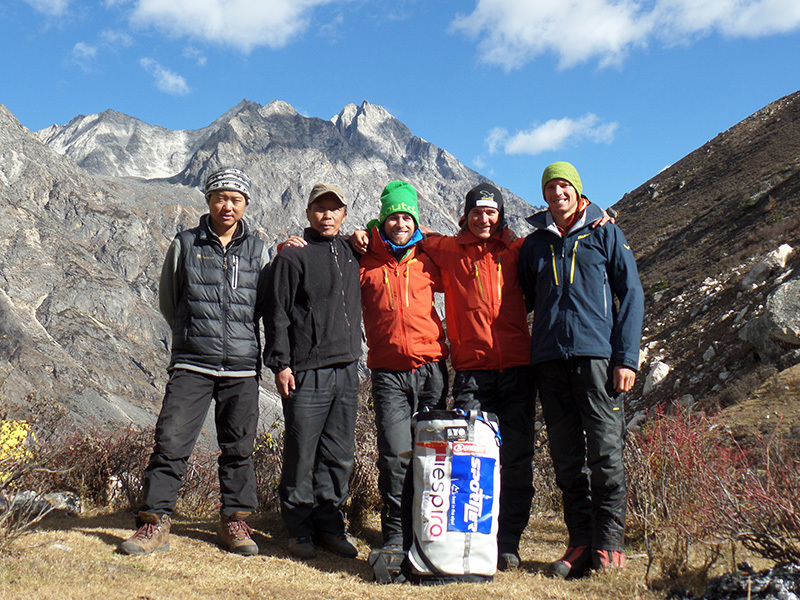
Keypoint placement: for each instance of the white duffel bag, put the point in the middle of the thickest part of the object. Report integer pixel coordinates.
(455, 469)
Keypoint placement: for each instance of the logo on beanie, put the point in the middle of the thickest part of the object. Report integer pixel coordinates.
(486, 200)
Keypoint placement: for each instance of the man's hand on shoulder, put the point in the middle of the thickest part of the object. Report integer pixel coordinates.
(360, 240)
(609, 216)
(292, 240)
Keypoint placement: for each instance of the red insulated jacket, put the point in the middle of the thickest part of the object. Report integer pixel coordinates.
(486, 317)
(403, 329)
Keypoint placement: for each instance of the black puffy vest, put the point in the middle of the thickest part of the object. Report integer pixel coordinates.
(214, 320)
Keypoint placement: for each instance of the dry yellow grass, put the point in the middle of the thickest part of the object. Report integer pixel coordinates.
(76, 559)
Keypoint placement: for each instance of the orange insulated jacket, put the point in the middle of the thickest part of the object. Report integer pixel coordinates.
(403, 329)
(485, 312)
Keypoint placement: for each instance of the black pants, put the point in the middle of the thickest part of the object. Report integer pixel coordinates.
(186, 402)
(319, 442)
(397, 395)
(511, 396)
(586, 430)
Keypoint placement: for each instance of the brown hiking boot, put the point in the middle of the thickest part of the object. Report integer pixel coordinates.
(152, 535)
(234, 534)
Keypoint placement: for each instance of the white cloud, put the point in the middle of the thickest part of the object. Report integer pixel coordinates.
(83, 55)
(514, 32)
(196, 55)
(242, 24)
(551, 136)
(52, 8)
(166, 80)
(116, 38)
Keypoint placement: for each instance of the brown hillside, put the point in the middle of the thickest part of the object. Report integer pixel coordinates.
(697, 228)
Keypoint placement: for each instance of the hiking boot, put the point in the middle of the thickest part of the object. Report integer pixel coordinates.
(336, 543)
(508, 561)
(152, 535)
(234, 534)
(576, 562)
(608, 559)
(301, 547)
(387, 561)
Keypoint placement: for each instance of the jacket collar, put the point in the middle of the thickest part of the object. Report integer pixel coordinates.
(206, 233)
(544, 220)
(379, 246)
(315, 237)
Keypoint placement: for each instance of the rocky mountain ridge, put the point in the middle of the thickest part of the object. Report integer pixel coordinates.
(89, 208)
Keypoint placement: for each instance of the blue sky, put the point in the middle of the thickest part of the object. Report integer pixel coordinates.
(620, 88)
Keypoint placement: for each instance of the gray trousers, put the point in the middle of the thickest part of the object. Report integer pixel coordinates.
(186, 402)
(397, 395)
(318, 446)
(510, 395)
(586, 431)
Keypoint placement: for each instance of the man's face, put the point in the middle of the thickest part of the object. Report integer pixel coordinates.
(482, 222)
(561, 198)
(226, 209)
(326, 215)
(399, 227)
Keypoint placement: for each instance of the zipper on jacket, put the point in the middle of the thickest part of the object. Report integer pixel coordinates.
(388, 288)
(574, 256)
(605, 293)
(407, 275)
(499, 282)
(555, 268)
(335, 253)
(478, 276)
(235, 282)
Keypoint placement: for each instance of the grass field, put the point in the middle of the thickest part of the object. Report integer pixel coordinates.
(76, 559)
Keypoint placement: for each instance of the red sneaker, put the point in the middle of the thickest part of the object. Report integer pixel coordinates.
(576, 562)
(607, 559)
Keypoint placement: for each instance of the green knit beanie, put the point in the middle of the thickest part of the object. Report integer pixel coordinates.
(399, 196)
(562, 170)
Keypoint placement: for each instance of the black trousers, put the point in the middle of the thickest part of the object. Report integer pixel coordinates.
(509, 394)
(186, 402)
(318, 447)
(586, 431)
(397, 395)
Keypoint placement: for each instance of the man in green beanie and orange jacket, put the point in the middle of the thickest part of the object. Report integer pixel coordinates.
(406, 340)
(585, 353)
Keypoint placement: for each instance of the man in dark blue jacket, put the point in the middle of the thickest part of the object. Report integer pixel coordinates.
(585, 354)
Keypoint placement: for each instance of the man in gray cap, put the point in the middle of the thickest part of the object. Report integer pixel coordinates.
(211, 285)
(313, 320)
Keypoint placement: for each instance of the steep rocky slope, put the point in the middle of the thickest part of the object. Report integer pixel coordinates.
(698, 228)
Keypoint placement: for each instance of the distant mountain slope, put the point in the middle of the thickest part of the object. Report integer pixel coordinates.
(88, 210)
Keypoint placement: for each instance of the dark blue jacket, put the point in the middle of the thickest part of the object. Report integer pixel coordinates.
(570, 284)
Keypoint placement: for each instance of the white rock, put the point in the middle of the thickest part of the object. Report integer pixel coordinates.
(759, 273)
(658, 373)
(709, 354)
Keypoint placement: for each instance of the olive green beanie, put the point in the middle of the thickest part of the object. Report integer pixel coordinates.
(399, 196)
(562, 170)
